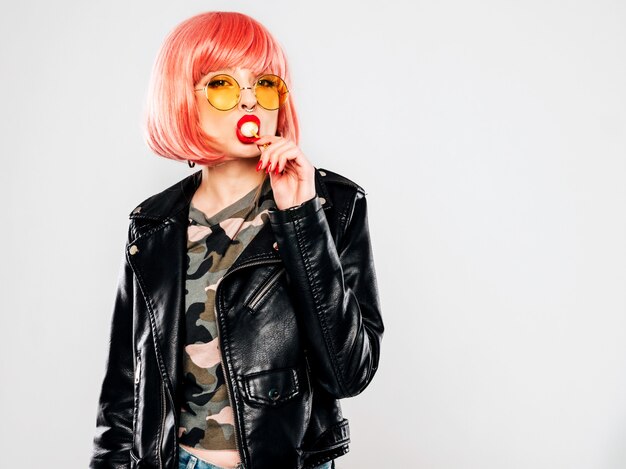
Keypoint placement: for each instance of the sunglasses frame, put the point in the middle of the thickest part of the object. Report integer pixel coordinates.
(253, 88)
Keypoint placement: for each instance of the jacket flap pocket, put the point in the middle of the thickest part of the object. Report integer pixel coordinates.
(272, 387)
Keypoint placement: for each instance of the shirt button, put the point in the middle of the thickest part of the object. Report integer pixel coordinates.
(133, 250)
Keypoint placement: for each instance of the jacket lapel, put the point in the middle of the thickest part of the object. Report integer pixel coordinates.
(159, 264)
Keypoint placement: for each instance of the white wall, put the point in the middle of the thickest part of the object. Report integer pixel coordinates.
(490, 136)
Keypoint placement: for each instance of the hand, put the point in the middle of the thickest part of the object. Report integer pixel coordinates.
(292, 176)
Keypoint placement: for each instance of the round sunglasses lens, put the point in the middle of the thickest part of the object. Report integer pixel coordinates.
(271, 91)
(223, 92)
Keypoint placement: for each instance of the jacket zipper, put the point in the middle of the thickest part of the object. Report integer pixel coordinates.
(163, 408)
(227, 380)
(240, 465)
(138, 369)
(257, 298)
(306, 359)
(136, 393)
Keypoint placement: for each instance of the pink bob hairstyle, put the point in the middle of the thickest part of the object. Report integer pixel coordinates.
(205, 42)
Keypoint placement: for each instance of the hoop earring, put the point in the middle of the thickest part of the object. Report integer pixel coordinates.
(191, 163)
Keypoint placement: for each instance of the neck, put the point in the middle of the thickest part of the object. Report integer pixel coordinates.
(225, 183)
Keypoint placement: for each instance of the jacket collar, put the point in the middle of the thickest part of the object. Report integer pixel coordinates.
(171, 206)
(173, 202)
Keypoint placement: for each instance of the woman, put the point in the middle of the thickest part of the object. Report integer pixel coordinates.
(247, 303)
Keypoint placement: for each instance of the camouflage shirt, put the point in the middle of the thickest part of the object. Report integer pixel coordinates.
(213, 245)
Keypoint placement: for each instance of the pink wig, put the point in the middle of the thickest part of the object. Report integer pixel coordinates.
(205, 42)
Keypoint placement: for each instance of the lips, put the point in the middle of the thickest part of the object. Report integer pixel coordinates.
(247, 118)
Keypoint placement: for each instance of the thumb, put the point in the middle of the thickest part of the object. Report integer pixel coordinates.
(264, 139)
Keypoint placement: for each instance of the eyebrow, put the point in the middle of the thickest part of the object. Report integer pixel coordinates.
(216, 72)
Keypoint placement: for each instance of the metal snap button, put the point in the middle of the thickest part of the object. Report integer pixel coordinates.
(274, 394)
(275, 245)
(322, 200)
(322, 173)
(133, 250)
(137, 210)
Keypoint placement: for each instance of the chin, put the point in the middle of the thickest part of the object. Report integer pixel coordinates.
(239, 153)
(248, 150)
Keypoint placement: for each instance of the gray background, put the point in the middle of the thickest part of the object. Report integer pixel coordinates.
(490, 137)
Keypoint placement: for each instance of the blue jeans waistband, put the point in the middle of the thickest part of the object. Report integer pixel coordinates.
(186, 460)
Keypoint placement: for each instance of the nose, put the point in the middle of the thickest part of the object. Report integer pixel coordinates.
(248, 99)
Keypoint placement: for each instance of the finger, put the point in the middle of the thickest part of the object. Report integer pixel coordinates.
(264, 158)
(288, 156)
(300, 160)
(264, 139)
(278, 143)
(280, 164)
(271, 154)
(263, 142)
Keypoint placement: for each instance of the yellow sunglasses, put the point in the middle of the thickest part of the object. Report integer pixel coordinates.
(224, 93)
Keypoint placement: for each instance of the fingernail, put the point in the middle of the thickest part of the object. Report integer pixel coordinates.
(276, 172)
(258, 166)
(269, 166)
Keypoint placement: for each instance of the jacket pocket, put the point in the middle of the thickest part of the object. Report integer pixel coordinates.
(265, 290)
(273, 387)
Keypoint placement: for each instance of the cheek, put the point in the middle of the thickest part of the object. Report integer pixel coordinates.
(270, 124)
(204, 120)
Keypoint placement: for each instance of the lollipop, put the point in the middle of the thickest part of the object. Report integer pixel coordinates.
(250, 129)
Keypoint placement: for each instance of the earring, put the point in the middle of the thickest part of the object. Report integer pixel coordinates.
(191, 163)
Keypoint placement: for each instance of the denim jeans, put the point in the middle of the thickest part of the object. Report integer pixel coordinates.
(186, 460)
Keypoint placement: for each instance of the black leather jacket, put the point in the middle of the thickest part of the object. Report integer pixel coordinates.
(299, 324)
